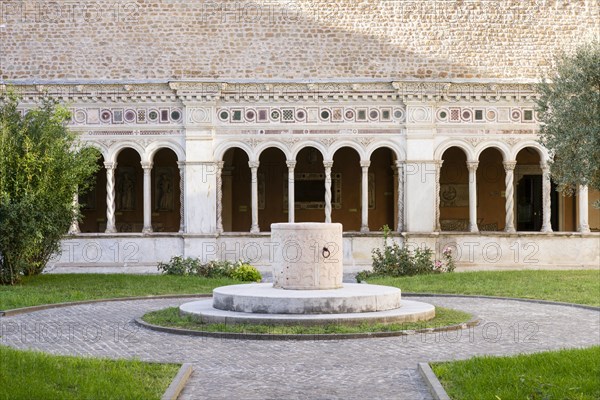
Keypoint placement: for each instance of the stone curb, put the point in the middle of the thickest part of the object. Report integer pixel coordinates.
(25, 310)
(435, 387)
(325, 336)
(535, 301)
(178, 382)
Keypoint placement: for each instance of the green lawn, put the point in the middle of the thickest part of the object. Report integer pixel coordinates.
(170, 317)
(582, 287)
(565, 374)
(34, 375)
(59, 288)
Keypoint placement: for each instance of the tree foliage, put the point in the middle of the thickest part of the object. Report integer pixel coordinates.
(40, 169)
(569, 112)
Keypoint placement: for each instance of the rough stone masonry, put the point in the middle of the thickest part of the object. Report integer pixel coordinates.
(281, 39)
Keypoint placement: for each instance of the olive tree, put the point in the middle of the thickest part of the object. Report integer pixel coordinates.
(569, 112)
(41, 167)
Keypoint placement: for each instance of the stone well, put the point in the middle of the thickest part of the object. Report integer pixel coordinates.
(307, 256)
(307, 287)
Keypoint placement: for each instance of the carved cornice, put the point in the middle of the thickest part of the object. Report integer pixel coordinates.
(333, 92)
(452, 92)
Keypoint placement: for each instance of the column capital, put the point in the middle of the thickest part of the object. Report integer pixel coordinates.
(291, 163)
(328, 163)
(472, 165)
(147, 166)
(399, 163)
(438, 163)
(253, 164)
(181, 164)
(545, 166)
(509, 165)
(110, 165)
(365, 163)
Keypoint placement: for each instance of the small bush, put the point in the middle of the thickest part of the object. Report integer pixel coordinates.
(246, 273)
(178, 266)
(240, 270)
(394, 260)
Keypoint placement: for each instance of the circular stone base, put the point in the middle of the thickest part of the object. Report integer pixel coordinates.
(263, 298)
(410, 311)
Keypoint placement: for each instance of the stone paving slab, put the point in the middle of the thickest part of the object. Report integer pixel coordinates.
(382, 368)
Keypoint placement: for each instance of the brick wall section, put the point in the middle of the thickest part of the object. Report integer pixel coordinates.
(393, 39)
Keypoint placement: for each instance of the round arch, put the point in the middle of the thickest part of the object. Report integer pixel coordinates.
(346, 143)
(222, 148)
(541, 150)
(309, 143)
(119, 146)
(500, 146)
(398, 151)
(464, 146)
(266, 145)
(103, 149)
(154, 147)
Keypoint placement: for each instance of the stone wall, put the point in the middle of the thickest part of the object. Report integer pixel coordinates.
(280, 39)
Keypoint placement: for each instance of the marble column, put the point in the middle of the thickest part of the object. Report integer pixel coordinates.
(219, 205)
(400, 191)
(147, 166)
(291, 164)
(254, 182)
(546, 205)
(181, 165)
(328, 164)
(438, 171)
(364, 203)
(472, 166)
(110, 197)
(74, 228)
(509, 195)
(583, 226)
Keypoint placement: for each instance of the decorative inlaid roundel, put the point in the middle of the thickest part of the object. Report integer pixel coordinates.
(311, 114)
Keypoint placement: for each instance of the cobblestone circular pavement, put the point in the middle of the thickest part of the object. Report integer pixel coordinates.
(378, 368)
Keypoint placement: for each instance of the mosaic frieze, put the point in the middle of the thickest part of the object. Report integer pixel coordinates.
(126, 116)
(486, 115)
(266, 115)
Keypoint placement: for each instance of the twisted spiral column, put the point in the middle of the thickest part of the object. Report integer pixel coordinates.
(328, 165)
(438, 169)
(546, 211)
(110, 197)
(400, 173)
(74, 228)
(509, 194)
(219, 205)
(181, 165)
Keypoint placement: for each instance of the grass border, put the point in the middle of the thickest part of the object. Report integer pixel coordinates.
(303, 336)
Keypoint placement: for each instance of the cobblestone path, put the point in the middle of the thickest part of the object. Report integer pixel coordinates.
(377, 368)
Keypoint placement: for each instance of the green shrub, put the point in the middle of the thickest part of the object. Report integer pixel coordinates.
(240, 270)
(246, 273)
(42, 164)
(179, 266)
(214, 269)
(394, 260)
